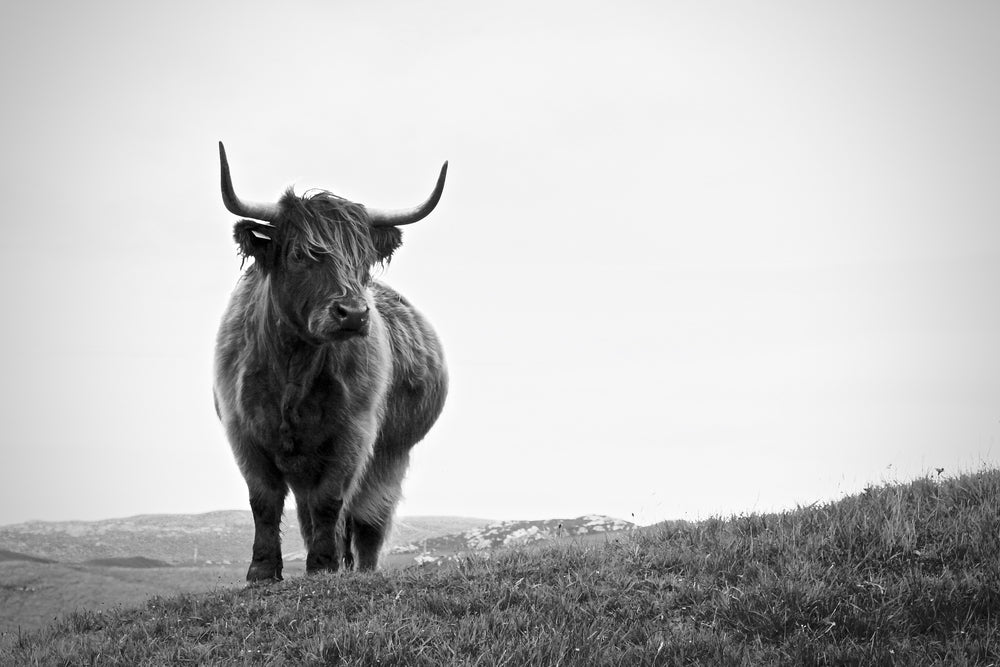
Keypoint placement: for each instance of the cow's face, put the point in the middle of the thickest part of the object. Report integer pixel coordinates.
(314, 254)
(317, 259)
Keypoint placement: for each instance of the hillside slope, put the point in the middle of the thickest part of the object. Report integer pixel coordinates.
(905, 574)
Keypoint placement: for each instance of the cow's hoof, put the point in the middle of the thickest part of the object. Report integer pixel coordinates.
(316, 564)
(263, 573)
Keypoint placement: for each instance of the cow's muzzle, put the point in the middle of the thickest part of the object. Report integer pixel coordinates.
(349, 316)
(342, 318)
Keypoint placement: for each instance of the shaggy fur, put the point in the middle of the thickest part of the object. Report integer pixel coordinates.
(329, 414)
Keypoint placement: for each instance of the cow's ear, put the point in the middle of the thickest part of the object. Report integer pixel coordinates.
(386, 240)
(254, 239)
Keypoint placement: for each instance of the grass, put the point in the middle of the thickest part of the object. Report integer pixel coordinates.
(32, 594)
(900, 574)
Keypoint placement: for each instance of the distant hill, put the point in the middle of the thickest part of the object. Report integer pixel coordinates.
(225, 537)
(134, 561)
(414, 529)
(6, 555)
(221, 537)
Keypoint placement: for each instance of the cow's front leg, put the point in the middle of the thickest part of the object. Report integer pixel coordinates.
(267, 502)
(324, 550)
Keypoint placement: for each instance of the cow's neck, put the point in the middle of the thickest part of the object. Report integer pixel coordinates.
(297, 367)
(294, 363)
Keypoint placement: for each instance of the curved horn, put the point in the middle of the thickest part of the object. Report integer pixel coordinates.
(394, 218)
(235, 205)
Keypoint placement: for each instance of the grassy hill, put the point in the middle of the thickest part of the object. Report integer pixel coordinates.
(901, 574)
(35, 590)
(32, 595)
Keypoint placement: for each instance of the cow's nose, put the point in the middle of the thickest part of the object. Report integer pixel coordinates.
(349, 316)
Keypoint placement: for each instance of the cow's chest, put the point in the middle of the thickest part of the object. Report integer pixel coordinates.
(294, 416)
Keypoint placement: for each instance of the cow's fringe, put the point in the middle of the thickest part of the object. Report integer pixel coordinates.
(333, 231)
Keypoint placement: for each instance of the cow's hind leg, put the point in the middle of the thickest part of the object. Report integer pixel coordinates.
(368, 539)
(373, 505)
(305, 518)
(348, 539)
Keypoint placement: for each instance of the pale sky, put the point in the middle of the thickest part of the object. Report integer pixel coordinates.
(691, 258)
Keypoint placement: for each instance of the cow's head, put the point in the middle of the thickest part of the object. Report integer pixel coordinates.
(316, 253)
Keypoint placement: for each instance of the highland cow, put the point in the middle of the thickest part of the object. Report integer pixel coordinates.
(324, 377)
